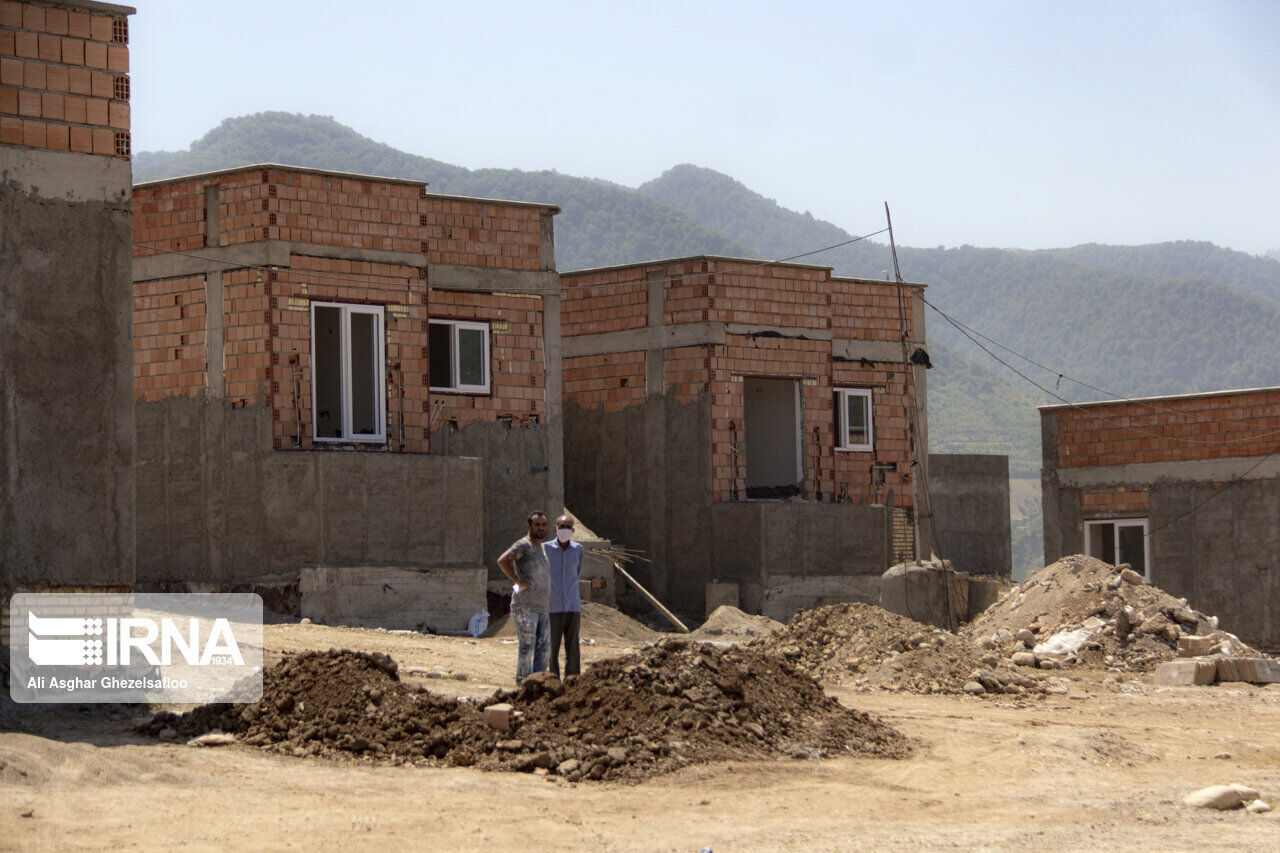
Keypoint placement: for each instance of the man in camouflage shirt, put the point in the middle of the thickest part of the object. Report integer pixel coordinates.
(525, 564)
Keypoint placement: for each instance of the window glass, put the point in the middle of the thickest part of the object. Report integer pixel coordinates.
(440, 355)
(471, 356)
(364, 374)
(856, 420)
(1133, 547)
(327, 372)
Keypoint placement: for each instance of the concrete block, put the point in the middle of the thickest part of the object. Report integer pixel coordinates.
(502, 717)
(983, 592)
(1186, 672)
(1190, 646)
(719, 594)
(924, 592)
(440, 600)
(1253, 670)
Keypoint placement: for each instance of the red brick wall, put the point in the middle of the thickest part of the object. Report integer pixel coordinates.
(605, 302)
(336, 210)
(517, 363)
(890, 421)
(606, 382)
(871, 311)
(794, 297)
(1245, 424)
(169, 353)
(267, 313)
(64, 79)
(1114, 502)
(729, 291)
(403, 293)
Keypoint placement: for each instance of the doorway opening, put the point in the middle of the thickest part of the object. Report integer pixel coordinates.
(771, 417)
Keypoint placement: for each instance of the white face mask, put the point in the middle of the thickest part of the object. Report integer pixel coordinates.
(563, 534)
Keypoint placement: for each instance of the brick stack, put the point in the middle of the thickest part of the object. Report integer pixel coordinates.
(64, 79)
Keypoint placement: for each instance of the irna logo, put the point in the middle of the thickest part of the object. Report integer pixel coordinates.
(86, 641)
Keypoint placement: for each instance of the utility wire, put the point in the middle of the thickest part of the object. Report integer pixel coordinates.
(1120, 398)
(1091, 413)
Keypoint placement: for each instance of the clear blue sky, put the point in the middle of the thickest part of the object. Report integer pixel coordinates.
(1028, 124)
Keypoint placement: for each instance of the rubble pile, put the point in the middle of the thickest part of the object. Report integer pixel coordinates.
(1083, 611)
(875, 649)
(729, 624)
(668, 706)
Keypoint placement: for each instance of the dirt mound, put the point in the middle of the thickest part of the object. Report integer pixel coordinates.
(599, 622)
(728, 623)
(1084, 611)
(628, 718)
(874, 648)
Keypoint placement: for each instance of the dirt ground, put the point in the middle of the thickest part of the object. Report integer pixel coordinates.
(1103, 766)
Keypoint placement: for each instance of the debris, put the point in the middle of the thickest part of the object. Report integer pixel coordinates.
(1258, 807)
(885, 651)
(1220, 797)
(213, 739)
(671, 705)
(1098, 614)
(728, 623)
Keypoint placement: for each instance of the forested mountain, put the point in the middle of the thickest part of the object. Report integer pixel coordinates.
(1134, 320)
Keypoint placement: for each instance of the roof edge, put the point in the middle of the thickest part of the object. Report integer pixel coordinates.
(356, 176)
(1198, 395)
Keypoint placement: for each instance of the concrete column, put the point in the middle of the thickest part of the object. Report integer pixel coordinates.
(919, 482)
(655, 434)
(554, 401)
(215, 368)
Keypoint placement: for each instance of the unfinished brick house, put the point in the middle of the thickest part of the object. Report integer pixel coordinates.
(1186, 489)
(745, 423)
(315, 355)
(66, 410)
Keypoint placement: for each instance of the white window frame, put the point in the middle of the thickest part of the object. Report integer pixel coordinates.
(379, 366)
(1144, 523)
(455, 367)
(842, 412)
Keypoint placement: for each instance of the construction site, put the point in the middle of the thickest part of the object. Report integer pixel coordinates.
(343, 395)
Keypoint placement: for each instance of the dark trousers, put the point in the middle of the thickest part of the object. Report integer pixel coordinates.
(565, 625)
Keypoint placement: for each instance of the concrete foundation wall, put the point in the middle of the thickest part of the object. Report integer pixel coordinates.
(970, 499)
(641, 476)
(1224, 557)
(518, 479)
(216, 504)
(438, 601)
(66, 384)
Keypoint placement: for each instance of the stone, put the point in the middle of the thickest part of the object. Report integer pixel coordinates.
(1024, 658)
(510, 745)
(213, 739)
(1220, 797)
(1027, 637)
(974, 688)
(1132, 577)
(568, 766)
(617, 755)
(987, 643)
(1258, 807)
(1050, 663)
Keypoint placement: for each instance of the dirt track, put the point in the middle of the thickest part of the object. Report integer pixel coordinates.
(1105, 769)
